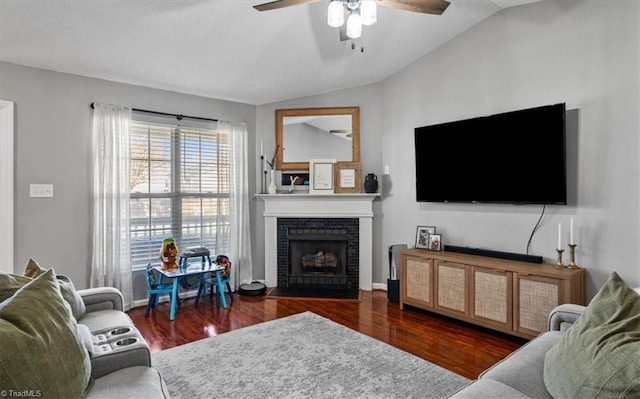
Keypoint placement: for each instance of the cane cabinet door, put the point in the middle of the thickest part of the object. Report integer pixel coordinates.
(416, 282)
(451, 288)
(491, 293)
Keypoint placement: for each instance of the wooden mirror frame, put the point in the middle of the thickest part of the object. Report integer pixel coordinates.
(354, 112)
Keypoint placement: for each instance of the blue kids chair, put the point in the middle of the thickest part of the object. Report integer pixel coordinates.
(225, 276)
(154, 289)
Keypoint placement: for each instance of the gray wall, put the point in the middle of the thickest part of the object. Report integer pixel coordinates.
(53, 126)
(584, 53)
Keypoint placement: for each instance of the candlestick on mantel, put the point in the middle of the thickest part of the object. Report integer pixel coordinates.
(263, 178)
(261, 148)
(559, 235)
(571, 233)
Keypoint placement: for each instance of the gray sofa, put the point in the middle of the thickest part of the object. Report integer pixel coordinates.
(61, 342)
(520, 375)
(588, 351)
(120, 357)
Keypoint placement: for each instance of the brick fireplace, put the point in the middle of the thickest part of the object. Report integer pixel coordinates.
(337, 216)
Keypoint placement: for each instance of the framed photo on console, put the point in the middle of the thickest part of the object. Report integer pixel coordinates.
(422, 236)
(435, 242)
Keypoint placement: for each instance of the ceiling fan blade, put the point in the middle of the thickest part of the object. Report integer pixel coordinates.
(436, 7)
(272, 5)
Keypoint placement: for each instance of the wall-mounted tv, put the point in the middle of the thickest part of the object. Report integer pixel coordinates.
(515, 157)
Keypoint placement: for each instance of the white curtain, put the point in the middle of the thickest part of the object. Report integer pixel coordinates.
(240, 232)
(110, 263)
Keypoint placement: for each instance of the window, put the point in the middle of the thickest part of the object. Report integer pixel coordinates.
(180, 183)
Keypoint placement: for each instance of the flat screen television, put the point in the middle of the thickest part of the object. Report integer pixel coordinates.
(514, 157)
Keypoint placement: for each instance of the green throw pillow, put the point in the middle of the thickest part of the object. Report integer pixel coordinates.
(68, 290)
(41, 351)
(33, 269)
(10, 283)
(599, 356)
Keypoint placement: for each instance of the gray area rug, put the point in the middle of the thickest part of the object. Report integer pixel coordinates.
(300, 356)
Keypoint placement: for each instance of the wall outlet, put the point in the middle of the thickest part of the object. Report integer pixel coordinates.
(386, 169)
(41, 190)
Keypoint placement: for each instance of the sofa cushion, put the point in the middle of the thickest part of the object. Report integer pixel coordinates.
(67, 288)
(102, 321)
(131, 382)
(522, 370)
(488, 389)
(600, 354)
(40, 349)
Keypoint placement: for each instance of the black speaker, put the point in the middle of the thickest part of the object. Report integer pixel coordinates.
(494, 254)
(393, 290)
(393, 283)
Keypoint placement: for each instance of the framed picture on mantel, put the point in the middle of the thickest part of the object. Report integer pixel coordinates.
(321, 176)
(347, 177)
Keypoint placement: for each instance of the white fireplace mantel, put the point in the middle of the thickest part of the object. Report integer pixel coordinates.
(319, 206)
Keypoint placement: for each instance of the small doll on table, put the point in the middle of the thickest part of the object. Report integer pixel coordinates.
(168, 254)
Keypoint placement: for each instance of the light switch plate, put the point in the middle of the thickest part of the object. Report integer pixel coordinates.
(41, 190)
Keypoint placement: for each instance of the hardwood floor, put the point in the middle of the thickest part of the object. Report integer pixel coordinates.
(460, 347)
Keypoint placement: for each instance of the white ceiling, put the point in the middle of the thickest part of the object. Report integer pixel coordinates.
(224, 49)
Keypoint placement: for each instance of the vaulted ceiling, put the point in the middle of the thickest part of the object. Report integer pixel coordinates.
(224, 49)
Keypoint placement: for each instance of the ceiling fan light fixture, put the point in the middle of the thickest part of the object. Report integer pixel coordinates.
(360, 12)
(353, 5)
(354, 25)
(335, 15)
(368, 12)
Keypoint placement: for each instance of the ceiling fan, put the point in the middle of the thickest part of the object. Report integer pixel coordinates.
(360, 12)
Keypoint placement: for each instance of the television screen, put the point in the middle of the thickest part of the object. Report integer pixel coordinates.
(515, 157)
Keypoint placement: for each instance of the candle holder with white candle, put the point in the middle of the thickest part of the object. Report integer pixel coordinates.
(559, 264)
(572, 248)
(263, 171)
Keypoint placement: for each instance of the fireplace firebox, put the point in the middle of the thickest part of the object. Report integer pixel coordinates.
(318, 253)
(317, 259)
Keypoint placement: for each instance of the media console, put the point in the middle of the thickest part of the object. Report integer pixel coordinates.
(494, 254)
(502, 294)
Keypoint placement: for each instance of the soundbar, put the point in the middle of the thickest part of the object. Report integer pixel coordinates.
(494, 254)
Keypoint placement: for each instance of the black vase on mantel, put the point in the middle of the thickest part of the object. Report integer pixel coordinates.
(370, 183)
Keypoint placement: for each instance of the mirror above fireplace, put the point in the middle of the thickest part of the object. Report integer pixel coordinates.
(316, 133)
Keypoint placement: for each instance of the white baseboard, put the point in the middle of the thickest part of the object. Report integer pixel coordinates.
(165, 298)
(379, 286)
(193, 293)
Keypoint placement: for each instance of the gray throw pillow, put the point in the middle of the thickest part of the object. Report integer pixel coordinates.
(599, 356)
(86, 338)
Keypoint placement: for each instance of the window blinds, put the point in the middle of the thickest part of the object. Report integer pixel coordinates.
(180, 182)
